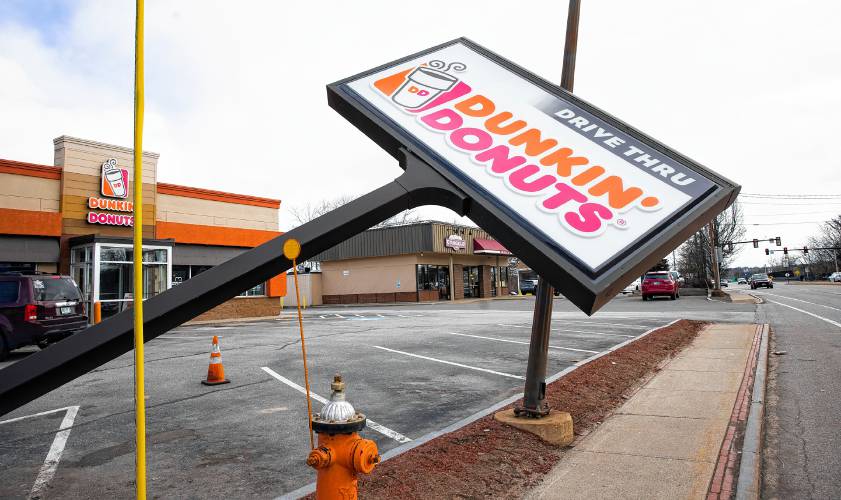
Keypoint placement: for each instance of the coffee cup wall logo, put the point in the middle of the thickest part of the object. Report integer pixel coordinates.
(569, 173)
(114, 183)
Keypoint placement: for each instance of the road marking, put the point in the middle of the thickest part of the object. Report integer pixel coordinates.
(178, 337)
(385, 431)
(338, 315)
(592, 333)
(359, 315)
(621, 325)
(450, 363)
(322, 316)
(807, 312)
(571, 331)
(380, 315)
(47, 471)
(799, 300)
(519, 342)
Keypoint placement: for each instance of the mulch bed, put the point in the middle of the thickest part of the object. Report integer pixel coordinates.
(487, 459)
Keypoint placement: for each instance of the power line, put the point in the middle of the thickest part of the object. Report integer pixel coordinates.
(775, 203)
(790, 213)
(792, 196)
(784, 223)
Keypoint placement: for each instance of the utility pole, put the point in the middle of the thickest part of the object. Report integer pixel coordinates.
(535, 387)
(714, 257)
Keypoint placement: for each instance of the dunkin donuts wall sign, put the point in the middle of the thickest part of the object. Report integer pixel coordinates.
(590, 197)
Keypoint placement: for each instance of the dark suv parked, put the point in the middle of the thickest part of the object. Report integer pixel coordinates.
(38, 309)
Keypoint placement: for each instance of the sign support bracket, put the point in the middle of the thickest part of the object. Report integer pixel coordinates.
(47, 370)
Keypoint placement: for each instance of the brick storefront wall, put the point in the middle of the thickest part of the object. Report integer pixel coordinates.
(243, 307)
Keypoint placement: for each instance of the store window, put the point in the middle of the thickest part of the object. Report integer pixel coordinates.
(181, 273)
(432, 277)
(503, 277)
(17, 267)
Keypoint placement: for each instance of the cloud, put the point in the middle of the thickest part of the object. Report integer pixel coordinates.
(235, 96)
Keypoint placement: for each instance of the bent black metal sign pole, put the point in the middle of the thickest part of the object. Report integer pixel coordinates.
(535, 385)
(74, 356)
(586, 200)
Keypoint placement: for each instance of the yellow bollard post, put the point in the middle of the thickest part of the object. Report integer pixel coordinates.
(97, 313)
(304, 298)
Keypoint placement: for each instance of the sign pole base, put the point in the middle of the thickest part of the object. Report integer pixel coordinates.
(535, 388)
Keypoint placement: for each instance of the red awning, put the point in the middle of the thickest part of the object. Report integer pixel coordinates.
(489, 247)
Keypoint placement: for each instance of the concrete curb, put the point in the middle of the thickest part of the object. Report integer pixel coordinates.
(306, 490)
(748, 485)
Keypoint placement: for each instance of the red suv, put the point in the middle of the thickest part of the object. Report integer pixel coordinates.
(660, 283)
(38, 309)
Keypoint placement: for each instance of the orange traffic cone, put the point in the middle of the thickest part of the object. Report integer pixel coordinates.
(215, 371)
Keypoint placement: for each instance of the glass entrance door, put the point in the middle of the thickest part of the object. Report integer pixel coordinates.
(493, 282)
(104, 273)
(471, 281)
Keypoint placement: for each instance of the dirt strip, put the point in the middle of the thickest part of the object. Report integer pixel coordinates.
(487, 459)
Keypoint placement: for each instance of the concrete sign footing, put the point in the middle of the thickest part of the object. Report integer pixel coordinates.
(555, 428)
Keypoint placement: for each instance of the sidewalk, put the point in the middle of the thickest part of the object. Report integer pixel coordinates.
(664, 442)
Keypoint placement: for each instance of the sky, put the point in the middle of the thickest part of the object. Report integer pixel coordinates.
(236, 101)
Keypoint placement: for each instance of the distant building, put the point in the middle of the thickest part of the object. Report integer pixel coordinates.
(417, 262)
(75, 217)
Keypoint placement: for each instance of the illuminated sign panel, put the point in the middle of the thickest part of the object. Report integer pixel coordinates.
(114, 183)
(591, 195)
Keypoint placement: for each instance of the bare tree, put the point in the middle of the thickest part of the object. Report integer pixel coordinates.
(310, 211)
(694, 258)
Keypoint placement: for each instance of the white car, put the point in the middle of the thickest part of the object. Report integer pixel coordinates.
(835, 277)
(633, 287)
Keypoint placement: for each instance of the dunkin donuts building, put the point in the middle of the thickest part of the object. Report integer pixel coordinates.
(75, 217)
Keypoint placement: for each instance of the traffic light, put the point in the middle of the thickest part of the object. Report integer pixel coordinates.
(778, 241)
(805, 249)
(755, 243)
(785, 250)
(767, 252)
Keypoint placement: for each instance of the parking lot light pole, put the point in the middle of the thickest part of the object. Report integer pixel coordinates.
(535, 388)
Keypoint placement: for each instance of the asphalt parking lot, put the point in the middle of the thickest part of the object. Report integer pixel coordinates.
(413, 369)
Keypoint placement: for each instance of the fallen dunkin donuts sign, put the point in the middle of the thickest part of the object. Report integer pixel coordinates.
(114, 187)
(594, 198)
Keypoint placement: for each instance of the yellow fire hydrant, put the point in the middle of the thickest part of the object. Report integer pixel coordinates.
(341, 453)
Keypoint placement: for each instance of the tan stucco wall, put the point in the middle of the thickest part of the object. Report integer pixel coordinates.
(23, 192)
(185, 210)
(374, 275)
(82, 156)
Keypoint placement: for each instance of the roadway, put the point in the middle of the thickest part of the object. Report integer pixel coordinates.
(413, 369)
(803, 420)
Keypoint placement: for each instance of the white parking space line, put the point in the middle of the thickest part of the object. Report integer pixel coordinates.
(178, 337)
(338, 315)
(47, 471)
(385, 431)
(620, 325)
(449, 363)
(519, 342)
(592, 333)
(799, 300)
(572, 331)
(807, 312)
